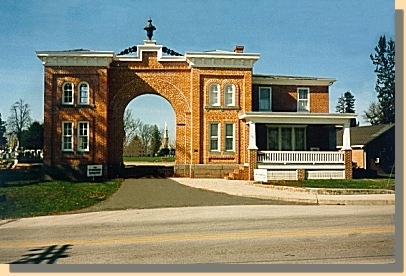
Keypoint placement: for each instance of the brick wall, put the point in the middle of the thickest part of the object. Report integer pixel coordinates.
(55, 112)
(284, 98)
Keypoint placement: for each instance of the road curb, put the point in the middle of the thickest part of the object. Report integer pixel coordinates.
(326, 191)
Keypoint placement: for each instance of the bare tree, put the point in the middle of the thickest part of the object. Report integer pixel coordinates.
(131, 127)
(19, 119)
(373, 114)
(146, 136)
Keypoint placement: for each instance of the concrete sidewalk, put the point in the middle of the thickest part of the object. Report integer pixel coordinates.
(292, 194)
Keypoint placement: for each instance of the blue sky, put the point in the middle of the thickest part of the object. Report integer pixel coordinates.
(328, 38)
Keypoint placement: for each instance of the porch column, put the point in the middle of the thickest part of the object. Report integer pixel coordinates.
(252, 151)
(347, 151)
(346, 137)
(253, 137)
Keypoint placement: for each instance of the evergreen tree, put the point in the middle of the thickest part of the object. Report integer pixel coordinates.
(156, 140)
(340, 107)
(349, 102)
(384, 61)
(345, 104)
(33, 137)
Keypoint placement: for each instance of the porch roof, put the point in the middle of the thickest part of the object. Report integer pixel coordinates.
(297, 118)
(363, 135)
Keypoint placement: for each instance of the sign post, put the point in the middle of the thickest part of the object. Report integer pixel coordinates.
(94, 170)
(261, 175)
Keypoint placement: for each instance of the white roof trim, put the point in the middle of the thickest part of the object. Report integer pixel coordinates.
(221, 59)
(297, 117)
(291, 80)
(75, 58)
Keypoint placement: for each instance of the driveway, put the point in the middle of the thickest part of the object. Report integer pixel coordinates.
(144, 193)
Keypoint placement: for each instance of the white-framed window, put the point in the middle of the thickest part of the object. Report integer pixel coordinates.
(67, 136)
(229, 131)
(265, 99)
(83, 136)
(214, 94)
(67, 93)
(286, 138)
(83, 93)
(214, 136)
(229, 95)
(303, 99)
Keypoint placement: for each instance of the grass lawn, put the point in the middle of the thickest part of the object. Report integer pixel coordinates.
(375, 183)
(55, 197)
(52, 197)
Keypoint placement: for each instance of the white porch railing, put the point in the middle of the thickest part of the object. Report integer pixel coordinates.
(300, 157)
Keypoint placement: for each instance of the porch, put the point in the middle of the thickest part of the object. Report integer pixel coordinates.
(293, 145)
(294, 165)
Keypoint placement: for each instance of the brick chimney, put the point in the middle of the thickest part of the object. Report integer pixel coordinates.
(239, 49)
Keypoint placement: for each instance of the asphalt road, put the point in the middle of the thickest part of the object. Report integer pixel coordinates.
(281, 234)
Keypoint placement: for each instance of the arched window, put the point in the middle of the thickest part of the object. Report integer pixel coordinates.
(229, 95)
(214, 94)
(67, 93)
(83, 93)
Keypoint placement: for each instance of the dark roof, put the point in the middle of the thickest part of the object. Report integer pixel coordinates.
(362, 135)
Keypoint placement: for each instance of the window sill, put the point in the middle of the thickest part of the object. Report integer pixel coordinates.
(77, 105)
(221, 153)
(215, 107)
(77, 152)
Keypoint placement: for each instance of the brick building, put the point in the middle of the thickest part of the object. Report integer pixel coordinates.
(229, 121)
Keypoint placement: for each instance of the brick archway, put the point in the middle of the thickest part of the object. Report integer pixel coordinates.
(87, 129)
(130, 88)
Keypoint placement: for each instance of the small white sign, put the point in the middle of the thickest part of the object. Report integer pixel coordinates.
(94, 170)
(260, 175)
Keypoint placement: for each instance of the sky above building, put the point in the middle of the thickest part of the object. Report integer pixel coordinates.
(329, 38)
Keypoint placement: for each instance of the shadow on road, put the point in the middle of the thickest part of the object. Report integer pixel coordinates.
(44, 255)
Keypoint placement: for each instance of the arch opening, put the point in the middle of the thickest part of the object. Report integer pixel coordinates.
(149, 130)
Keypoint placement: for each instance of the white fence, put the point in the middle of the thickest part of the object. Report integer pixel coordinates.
(300, 157)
